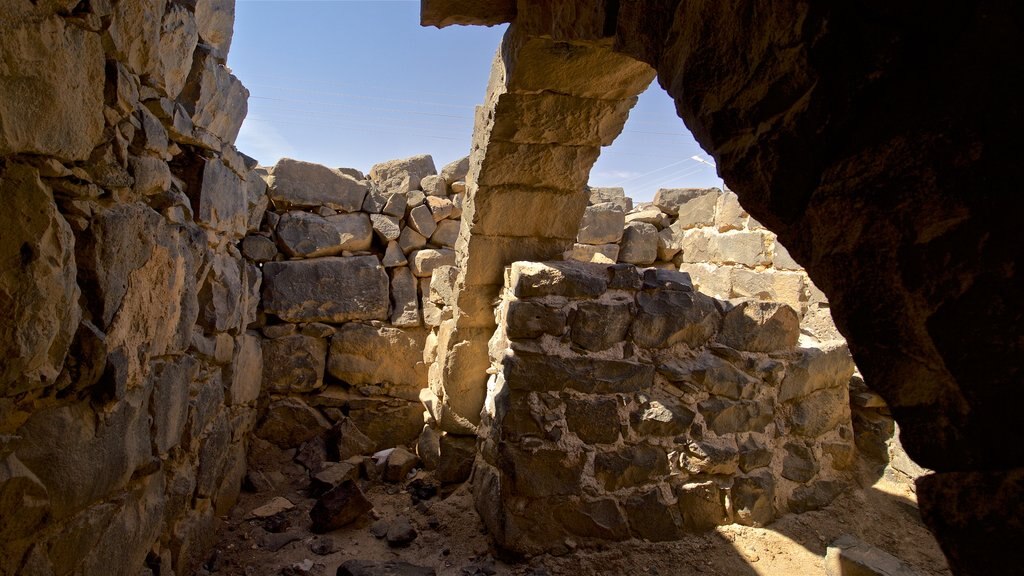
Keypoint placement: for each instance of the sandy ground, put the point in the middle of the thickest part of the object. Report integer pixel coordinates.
(451, 539)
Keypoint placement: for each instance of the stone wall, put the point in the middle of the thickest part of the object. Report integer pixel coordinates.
(128, 375)
(623, 403)
(347, 261)
(706, 233)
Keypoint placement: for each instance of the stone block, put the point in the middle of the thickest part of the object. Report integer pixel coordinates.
(402, 175)
(667, 317)
(754, 454)
(552, 167)
(542, 473)
(246, 371)
(457, 454)
(745, 248)
(442, 285)
(649, 215)
(769, 285)
(554, 213)
(537, 372)
(393, 256)
(711, 456)
(326, 289)
(601, 254)
(221, 203)
(729, 215)
(447, 233)
(601, 224)
(375, 200)
(547, 116)
(405, 300)
(421, 220)
(782, 260)
(760, 327)
(215, 99)
(695, 207)
(355, 230)
(616, 196)
(594, 420)
(819, 365)
(600, 518)
(710, 279)
(80, 474)
(820, 412)
(456, 170)
(799, 463)
(39, 282)
(65, 118)
(305, 235)
(220, 296)
(346, 440)
(169, 403)
(639, 244)
(339, 507)
(398, 465)
(363, 355)
(215, 21)
(570, 279)
(434, 186)
(299, 184)
(724, 416)
(653, 516)
(294, 364)
(526, 319)
(670, 243)
(630, 466)
(258, 248)
(424, 262)
(662, 418)
(440, 208)
(410, 240)
(753, 499)
(290, 422)
(598, 326)
(702, 506)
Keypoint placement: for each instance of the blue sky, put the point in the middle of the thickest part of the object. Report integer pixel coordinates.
(352, 83)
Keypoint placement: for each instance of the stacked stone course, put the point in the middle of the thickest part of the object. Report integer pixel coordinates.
(347, 262)
(707, 234)
(624, 403)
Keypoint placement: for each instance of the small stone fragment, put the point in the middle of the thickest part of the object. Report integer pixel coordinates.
(337, 507)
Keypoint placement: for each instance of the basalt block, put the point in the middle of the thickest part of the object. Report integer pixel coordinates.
(330, 289)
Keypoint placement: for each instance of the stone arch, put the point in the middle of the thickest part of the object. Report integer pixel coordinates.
(536, 115)
(893, 202)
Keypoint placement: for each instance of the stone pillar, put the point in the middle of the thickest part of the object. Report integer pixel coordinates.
(550, 106)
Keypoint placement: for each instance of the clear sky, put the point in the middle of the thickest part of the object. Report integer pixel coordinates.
(352, 83)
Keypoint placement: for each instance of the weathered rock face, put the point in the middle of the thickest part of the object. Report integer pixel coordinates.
(54, 109)
(671, 430)
(128, 381)
(39, 286)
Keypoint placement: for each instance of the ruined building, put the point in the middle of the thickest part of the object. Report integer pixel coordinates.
(177, 317)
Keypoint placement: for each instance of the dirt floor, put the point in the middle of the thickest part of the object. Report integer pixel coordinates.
(450, 539)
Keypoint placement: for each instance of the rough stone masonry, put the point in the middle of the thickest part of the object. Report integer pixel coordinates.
(172, 307)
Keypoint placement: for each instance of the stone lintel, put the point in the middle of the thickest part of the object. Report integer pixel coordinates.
(442, 13)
